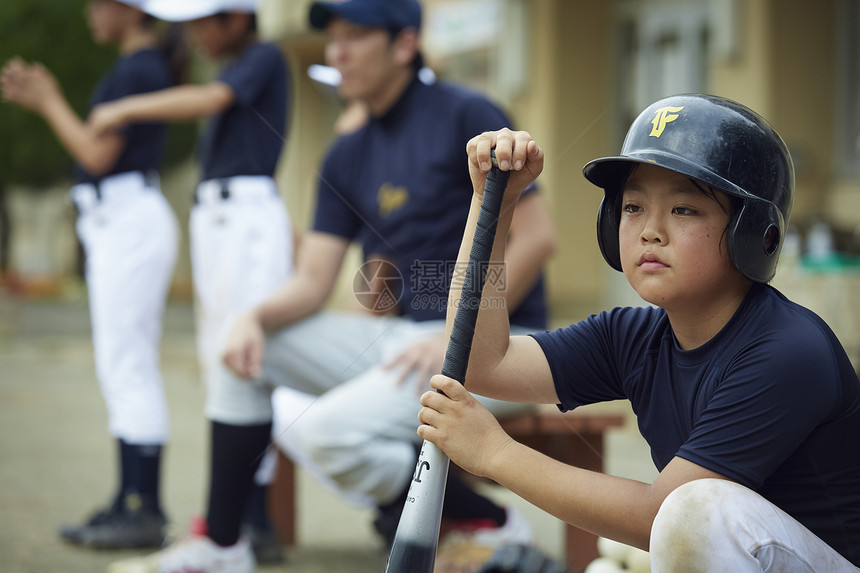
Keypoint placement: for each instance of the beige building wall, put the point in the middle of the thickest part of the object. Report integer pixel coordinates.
(784, 65)
(569, 109)
(787, 70)
(803, 86)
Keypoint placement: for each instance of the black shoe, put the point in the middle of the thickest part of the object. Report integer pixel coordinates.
(385, 524)
(74, 533)
(265, 543)
(119, 529)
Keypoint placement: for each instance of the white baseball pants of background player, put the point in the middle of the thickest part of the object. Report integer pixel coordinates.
(241, 252)
(361, 430)
(713, 525)
(130, 237)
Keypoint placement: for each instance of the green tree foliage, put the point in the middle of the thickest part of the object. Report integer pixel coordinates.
(56, 34)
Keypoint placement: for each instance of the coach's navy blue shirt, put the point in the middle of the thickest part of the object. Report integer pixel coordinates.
(401, 187)
(247, 138)
(771, 402)
(137, 73)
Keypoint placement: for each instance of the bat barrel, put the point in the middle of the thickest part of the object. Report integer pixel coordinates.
(417, 535)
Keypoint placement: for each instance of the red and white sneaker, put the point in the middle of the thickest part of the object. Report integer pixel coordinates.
(194, 554)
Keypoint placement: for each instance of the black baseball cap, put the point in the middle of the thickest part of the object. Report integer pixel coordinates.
(389, 14)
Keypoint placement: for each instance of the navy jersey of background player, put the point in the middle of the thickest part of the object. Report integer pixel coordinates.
(141, 72)
(247, 138)
(401, 187)
(768, 402)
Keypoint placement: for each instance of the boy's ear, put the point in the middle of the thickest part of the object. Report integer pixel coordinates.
(406, 46)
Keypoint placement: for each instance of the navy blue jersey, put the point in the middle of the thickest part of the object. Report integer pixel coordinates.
(137, 73)
(400, 186)
(247, 138)
(771, 402)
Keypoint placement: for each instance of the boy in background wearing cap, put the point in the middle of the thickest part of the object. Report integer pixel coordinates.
(241, 238)
(129, 236)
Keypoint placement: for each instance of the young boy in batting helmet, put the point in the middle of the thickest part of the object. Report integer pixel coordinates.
(745, 398)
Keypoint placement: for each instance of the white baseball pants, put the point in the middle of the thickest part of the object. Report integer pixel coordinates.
(714, 525)
(129, 235)
(241, 252)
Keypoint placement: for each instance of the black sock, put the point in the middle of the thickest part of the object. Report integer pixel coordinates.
(140, 468)
(123, 470)
(257, 508)
(150, 473)
(463, 502)
(236, 452)
(394, 508)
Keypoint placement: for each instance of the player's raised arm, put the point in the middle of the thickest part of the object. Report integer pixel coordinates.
(498, 362)
(179, 103)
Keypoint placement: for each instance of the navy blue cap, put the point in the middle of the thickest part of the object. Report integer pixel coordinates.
(389, 14)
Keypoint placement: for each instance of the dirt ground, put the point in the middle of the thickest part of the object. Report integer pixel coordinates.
(57, 460)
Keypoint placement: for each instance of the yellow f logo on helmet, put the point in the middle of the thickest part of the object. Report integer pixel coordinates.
(663, 116)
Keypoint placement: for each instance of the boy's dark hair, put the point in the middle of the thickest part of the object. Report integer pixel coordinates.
(735, 205)
(175, 52)
(172, 47)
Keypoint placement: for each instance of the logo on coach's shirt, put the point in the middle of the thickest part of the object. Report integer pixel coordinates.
(391, 198)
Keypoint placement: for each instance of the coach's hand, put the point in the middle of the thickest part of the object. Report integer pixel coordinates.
(460, 425)
(516, 152)
(243, 353)
(421, 360)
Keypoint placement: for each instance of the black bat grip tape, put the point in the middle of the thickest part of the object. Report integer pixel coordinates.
(460, 343)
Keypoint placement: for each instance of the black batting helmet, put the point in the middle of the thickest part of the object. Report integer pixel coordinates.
(722, 144)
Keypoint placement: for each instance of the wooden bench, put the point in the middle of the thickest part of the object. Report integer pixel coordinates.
(575, 438)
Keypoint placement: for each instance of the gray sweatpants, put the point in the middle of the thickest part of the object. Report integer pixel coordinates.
(361, 430)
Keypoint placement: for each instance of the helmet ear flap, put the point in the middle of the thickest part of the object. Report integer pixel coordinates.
(607, 233)
(755, 240)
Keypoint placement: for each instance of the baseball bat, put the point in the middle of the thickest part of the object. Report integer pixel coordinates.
(417, 535)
